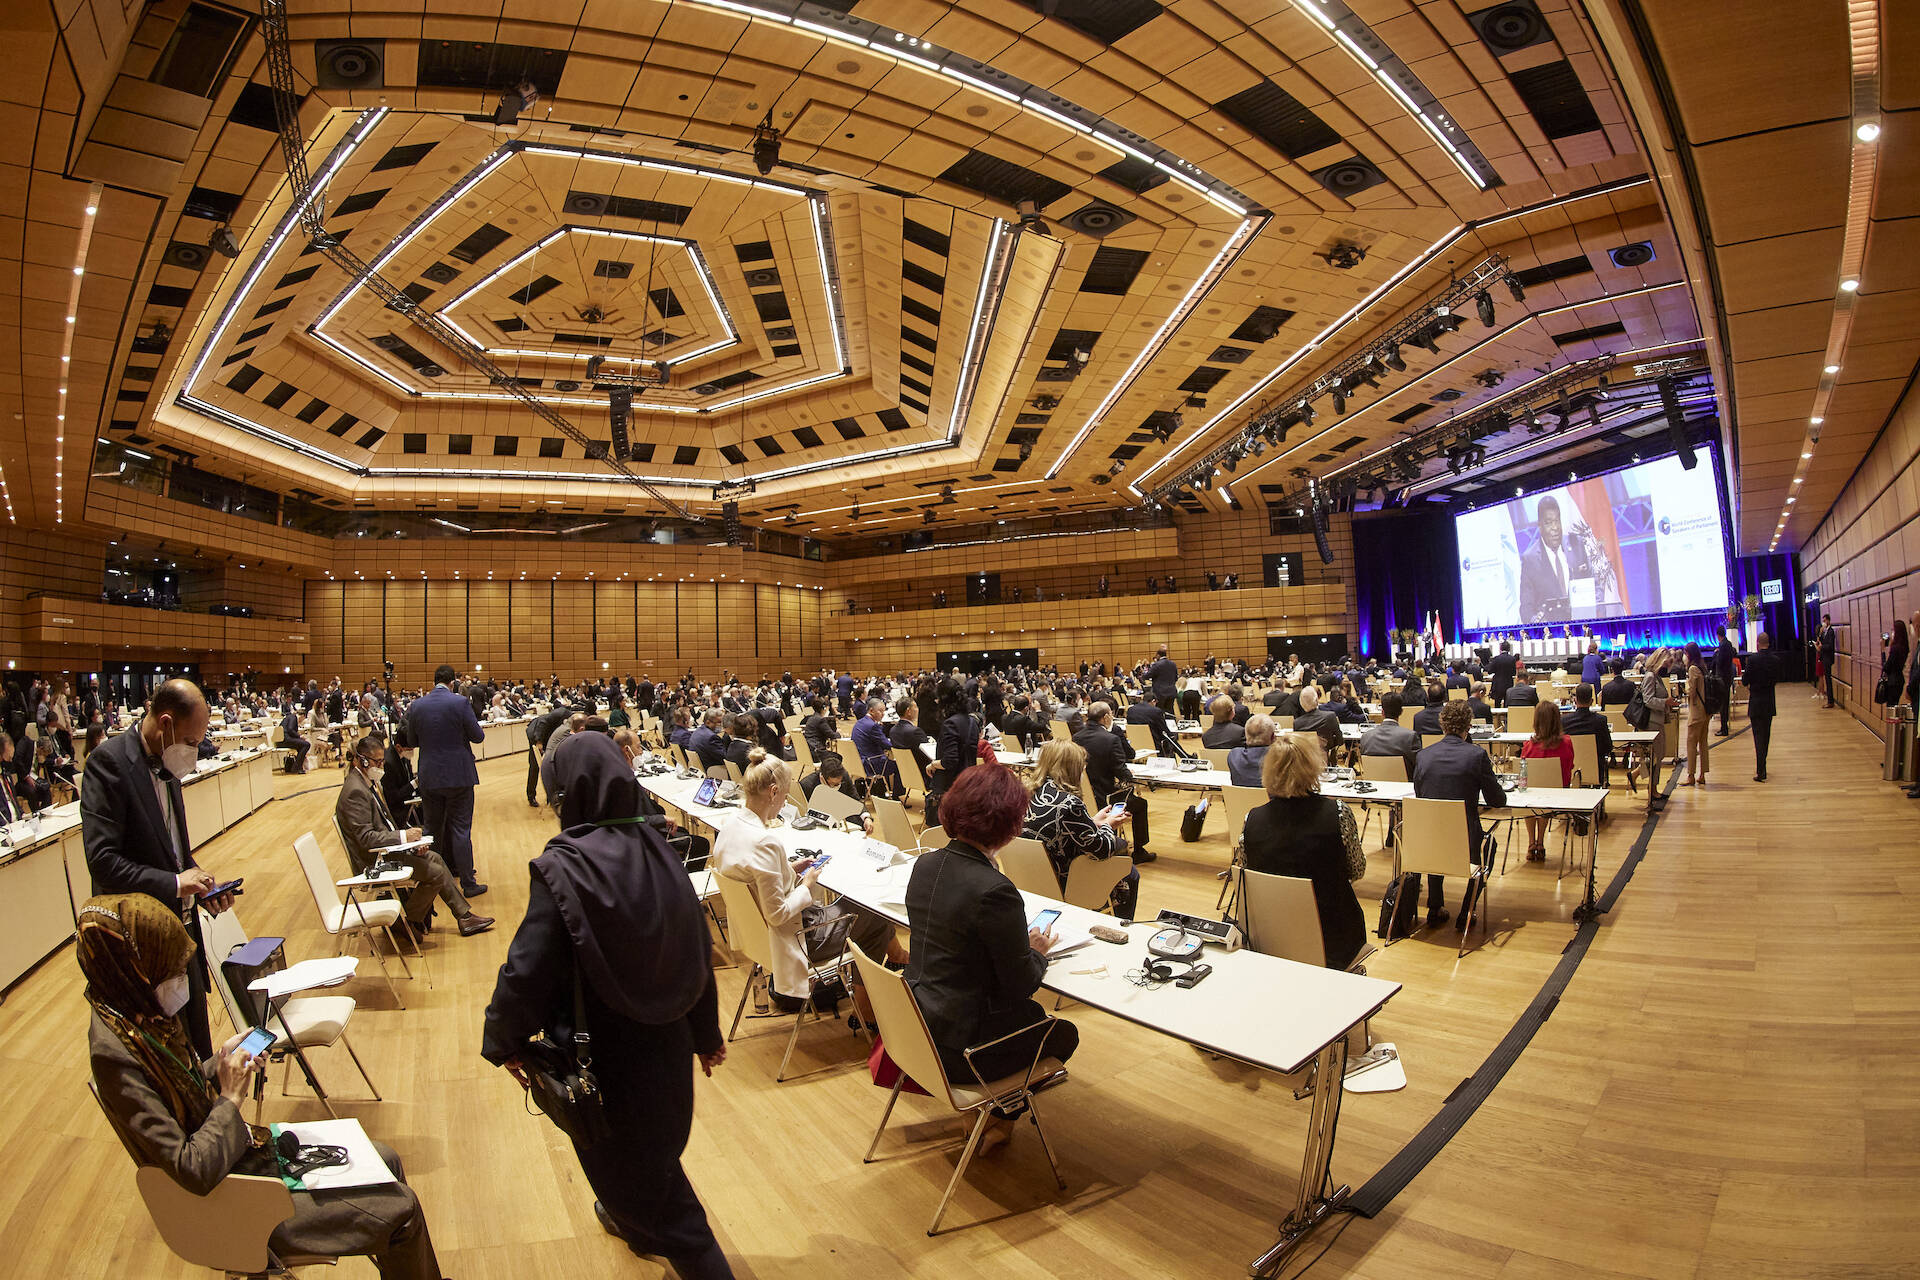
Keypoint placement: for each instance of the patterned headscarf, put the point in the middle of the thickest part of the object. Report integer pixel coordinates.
(127, 945)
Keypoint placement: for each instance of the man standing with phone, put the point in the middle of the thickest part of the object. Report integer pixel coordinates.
(442, 725)
(133, 823)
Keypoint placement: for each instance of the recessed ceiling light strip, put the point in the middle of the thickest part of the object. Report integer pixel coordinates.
(895, 45)
(1371, 52)
(1419, 262)
(1243, 236)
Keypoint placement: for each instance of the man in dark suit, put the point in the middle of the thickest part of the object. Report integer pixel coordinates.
(1723, 664)
(1156, 720)
(1019, 725)
(907, 735)
(367, 826)
(1108, 754)
(1502, 666)
(539, 729)
(336, 705)
(1390, 737)
(441, 724)
(1166, 680)
(1829, 641)
(396, 778)
(292, 740)
(1583, 719)
(1523, 694)
(1316, 719)
(1456, 678)
(875, 748)
(843, 693)
(1427, 718)
(1224, 733)
(1617, 692)
(133, 823)
(1476, 703)
(1548, 567)
(706, 742)
(1455, 769)
(1763, 671)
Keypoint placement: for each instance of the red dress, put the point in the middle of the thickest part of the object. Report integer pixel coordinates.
(1564, 753)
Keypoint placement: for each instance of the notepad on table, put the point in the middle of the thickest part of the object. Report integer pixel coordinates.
(322, 972)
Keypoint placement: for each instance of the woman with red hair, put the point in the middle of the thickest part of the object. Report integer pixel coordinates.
(976, 962)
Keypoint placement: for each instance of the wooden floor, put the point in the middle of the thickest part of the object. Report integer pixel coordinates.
(1726, 1090)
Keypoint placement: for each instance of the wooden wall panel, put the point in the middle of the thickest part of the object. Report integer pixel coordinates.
(1864, 556)
(695, 621)
(575, 646)
(323, 605)
(487, 626)
(616, 630)
(530, 623)
(365, 633)
(406, 627)
(445, 624)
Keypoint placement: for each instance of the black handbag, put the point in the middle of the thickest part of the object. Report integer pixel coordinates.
(561, 1083)
(1887, 692)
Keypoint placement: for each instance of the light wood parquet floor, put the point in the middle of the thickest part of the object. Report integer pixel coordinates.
(1728, 1088)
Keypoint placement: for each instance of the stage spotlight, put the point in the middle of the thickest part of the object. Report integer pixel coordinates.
(1483, 303)
(1515, 288)
(223, 243)
(515, 100)
(766, 145)
(1029, 211)
(1425, 341)
(1306, 413)
(1339, 400)
(594, 365)
(1394, 360)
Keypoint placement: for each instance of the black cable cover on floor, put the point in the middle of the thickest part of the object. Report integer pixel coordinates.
(1393, 1177)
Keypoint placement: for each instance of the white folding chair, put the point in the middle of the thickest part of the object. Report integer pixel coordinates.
(752, 936)
(834, 803)
(891, 824)
(1140, 738)
(1519, 719)
(340, 920)
(1433, 841)
(909, 771)
(1379, 769)
(933, 838)
(1216, 757)
(1544, 772)
(298, 1023)
(1238, 802)
(910, 1044)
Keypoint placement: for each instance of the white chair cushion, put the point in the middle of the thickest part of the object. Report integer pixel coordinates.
(314, 1020)
(363, 915)
(703, 885)
(965, 1097)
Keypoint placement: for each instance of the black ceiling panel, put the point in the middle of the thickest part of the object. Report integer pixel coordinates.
(686, 456)
(1411, 412)
(470, 64)
(753, 251)
(255, 108)
(807, 437)
(506, 446)
(1112, 270)
(1577, 265)
(893, 419)
(1104, 20)
(1067, 341)
(404, 156)
(1003, 180)
(772, 307)
(914, 273)
(1267, 111)
(534, 289)
(478, 245)
(1555, 97)
(1261, 324)
(665, 304)
(1135, 175)
(926, 237)
(849, 428)
(551, 446)
(1593, 334)
(1203, 379)
(359, 202)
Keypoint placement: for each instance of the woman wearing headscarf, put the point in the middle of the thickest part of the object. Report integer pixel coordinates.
(610, 906)
(183, 1116)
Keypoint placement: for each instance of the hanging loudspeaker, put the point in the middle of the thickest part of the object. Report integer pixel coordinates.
(1511, 26)
(1349, 178)
(350, 64)
(1632, 255)
(1319, 510)
(1096, 219)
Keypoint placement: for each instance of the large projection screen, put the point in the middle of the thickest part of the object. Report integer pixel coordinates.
(1647, 539)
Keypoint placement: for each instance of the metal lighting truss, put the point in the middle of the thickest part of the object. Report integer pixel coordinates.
(273, 16)
(1276, 415)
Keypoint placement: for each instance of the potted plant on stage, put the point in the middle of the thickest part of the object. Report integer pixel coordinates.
(1751, 606)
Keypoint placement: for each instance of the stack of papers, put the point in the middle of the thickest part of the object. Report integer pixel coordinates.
(306, 975)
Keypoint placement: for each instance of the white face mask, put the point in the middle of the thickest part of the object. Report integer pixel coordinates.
(179, 759)
(374, 776)
(172, 995)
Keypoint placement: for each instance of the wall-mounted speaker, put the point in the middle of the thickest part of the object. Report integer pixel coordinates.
(1632, 255)
(1508, 27)
(181, 254)
(431, 371)
(1320, 527)
(350, 64)
(566, 384)
(1349, 178)
(1097, 219)
(619, 409)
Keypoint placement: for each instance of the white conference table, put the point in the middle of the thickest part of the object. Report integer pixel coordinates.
(1262, 1010)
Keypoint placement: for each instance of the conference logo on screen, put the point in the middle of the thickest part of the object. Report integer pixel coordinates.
(1665, 526)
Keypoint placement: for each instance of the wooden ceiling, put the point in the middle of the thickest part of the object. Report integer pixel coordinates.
(864, 323)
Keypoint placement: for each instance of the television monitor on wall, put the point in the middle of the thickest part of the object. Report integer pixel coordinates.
(1646, 539)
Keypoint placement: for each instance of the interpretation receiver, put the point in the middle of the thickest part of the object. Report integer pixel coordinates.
(1222, 932)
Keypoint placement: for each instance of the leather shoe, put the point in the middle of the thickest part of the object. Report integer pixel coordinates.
(606, 1221)
(472, 889)
(1438, 917)
(473, 922)
(1759, 777)
(1143, 855)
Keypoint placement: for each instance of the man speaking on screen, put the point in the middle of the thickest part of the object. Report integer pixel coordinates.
(1550, 567)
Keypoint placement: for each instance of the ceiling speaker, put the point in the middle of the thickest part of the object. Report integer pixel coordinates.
(350, 64)
(1349, 178)
(1096, 220)
(1507, 27)
(431, 371)
(191, 256)
(784, 333)
(440, 273)
(1632, 255)
(388, 341)
(566, 384)
(706, 389)
(763, 277)
(587, 204)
